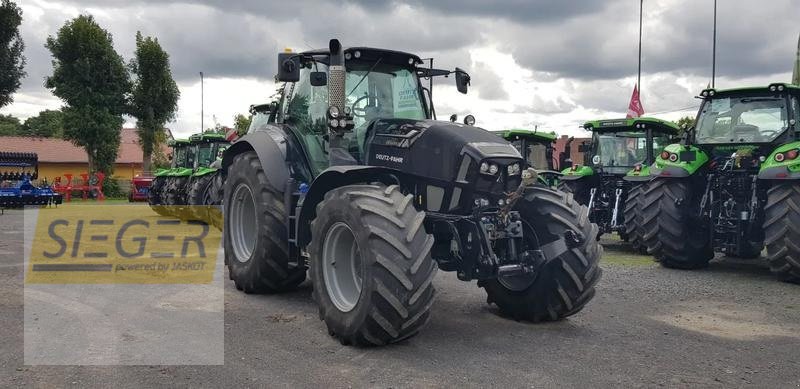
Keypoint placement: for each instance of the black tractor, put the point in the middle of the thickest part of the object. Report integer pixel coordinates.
(353, 180)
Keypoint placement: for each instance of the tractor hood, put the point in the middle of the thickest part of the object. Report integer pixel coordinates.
(436, 149)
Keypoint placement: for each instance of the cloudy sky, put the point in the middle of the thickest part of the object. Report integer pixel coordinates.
(546, 63)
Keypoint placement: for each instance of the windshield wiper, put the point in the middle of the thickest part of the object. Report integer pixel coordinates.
(364, 77)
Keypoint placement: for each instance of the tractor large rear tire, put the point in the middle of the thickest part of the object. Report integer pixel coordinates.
(782, 230)
(371, 265)
(217, 195)
(633, 218)
(155, 196)
(199, 197)
(579, 188)
(673, 232)
(563, 285)
(255, 236)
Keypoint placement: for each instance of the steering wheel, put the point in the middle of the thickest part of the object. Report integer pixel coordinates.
(360, 112)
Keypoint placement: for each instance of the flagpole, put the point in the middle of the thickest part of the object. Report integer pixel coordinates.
(639, 74)
(714, 48)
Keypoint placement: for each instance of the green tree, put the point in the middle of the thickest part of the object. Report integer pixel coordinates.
(685, 123)
(241, 123)
(155, 95)
(10, 126)
(91, 78)
(48, 123)
(12, 60)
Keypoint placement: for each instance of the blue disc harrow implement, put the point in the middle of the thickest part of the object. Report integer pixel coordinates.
(18, 174)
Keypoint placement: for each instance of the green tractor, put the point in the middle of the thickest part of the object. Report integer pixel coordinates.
(355, 182)
(615, 166)
(538, 150)
(201, 190)
(162, 196)
(731, 186)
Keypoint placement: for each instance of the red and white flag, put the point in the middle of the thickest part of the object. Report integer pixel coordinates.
(635, 108)
(231, 134)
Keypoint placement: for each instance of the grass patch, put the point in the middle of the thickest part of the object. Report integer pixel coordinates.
(622, 258)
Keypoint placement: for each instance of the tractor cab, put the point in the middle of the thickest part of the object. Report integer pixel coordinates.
(378, 84)
(615, 161)
(537, 150)
(208, 147)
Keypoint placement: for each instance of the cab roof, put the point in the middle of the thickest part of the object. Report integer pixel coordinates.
(372, 54)
(634, 124)
(518, 133)
(779, 87)
(207, 137)
(178, 142)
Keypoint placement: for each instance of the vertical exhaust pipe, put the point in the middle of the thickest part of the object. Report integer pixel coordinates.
(336, 77)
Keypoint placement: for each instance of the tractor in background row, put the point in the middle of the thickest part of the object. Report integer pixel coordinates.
(354, 181)
(201, 192)
(732, 185)
(164, 194)
(17, 177)
(616, 164)
(538, 151)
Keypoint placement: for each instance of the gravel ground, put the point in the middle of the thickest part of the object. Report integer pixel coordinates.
(728, 326)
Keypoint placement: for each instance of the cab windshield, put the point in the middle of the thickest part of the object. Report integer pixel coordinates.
(205, 154)
(179, 159)
(741, 120)
(210, 152)
(374, 90)
(620, 149)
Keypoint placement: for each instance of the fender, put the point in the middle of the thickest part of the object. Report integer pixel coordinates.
(576, 172)
(786, 168)
(271, 154)
(335, 177)
(677, 165)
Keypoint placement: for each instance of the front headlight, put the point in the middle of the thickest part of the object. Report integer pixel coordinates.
(489, 168)
(513, 169)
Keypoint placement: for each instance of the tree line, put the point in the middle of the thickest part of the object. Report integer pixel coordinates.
(97, 86)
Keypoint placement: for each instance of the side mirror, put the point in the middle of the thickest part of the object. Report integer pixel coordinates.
(453, 118)
(288, 67)
(319, 78)
(462, 80)
(583, 147)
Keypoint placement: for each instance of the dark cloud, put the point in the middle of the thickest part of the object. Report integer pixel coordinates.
(752, 39)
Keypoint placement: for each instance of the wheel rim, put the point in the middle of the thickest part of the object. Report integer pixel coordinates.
(342, 267)
(521, 282)
(243, 227)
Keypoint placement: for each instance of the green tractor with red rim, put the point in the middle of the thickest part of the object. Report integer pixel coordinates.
(615, 170)
(731, 186)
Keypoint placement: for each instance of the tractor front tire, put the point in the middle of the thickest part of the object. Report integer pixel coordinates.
(633, 218)
(673, 232)
(782, 231)
(371, 265)
(255, 235)
(563, 285)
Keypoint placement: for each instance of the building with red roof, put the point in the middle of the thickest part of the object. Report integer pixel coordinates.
(58, 156)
